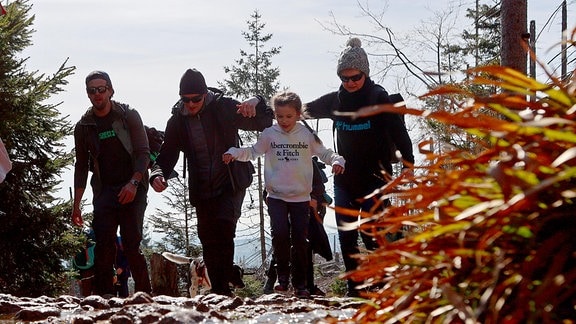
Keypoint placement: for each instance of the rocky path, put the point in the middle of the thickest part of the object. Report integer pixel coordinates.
(142, 308)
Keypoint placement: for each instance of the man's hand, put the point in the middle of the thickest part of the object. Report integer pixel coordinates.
(227, 158)
(127, 193)
(408, 173)
(248, 107)
(77, 217)
(159, 184)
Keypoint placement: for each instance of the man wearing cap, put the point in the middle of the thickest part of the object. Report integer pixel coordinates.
(110, 141)
(203, 125)
(364, 143)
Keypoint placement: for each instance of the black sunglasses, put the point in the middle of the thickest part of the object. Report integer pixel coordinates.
(353, 78)
(93, 90)
(195, 99)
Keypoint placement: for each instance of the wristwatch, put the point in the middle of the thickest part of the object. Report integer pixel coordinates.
(134, 182)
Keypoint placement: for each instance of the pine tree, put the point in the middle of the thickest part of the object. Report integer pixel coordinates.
(480, 46)
(483, 42)
(252, 75)
(35, 235)
(177, 225)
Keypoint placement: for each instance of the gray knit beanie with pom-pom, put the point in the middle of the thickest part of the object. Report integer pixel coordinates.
(353, 57)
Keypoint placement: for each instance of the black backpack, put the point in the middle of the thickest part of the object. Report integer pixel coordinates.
(155, 140)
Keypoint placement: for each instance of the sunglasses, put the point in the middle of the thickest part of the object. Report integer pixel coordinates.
(195, 99)
(353, 78)
(93, 90)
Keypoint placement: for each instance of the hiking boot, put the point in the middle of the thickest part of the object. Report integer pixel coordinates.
(317, 291)
(223, 292)
(237, 274)
(303, 293)
(281, 288)
(108, 296)
(268, 287)
(353, 293)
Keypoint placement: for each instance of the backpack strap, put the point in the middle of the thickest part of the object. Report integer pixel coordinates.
(316, 138)
(396, 98)
(179, 124)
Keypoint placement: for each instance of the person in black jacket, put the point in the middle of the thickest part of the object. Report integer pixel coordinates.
(364, 142)
(111, 142)
(203, 125)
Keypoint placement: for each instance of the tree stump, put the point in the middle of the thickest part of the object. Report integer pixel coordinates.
(164, 276)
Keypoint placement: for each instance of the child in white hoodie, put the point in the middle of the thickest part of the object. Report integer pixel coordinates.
(288, 147)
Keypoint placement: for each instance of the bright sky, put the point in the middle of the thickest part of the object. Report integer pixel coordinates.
(145, 46)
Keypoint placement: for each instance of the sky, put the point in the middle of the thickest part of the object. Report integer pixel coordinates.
(146, 46)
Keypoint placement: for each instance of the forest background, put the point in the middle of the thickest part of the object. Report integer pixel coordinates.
(146, 47)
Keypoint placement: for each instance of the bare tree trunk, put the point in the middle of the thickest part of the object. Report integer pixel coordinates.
(564, 63)
(164, 276)
(513, 16)
(261, 212)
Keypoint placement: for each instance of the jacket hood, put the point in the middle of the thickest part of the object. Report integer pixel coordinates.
(88, 117)
(212, 95)
(297, 128)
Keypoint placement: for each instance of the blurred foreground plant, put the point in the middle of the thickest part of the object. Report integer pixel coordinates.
(496, 236)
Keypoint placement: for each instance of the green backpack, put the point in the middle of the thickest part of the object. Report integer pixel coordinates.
(84, 260)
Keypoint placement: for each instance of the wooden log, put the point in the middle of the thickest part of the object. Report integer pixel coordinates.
(164, 276)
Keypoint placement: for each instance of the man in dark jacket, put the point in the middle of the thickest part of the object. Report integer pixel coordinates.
(364, 142)
(203, 125)
(110, 141)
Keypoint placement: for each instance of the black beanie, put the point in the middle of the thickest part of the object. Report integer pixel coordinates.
(192, 82)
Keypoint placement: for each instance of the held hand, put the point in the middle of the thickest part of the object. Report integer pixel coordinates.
(227, 158)
(127, 193)
(408, 173)
(77, 217)
(337, 169)
(314, 204)
(248, 107)
(159, 184)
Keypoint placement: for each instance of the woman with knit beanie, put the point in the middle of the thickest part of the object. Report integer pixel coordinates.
(364, 142)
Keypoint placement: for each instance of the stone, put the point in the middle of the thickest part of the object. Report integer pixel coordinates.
(143, 308)
(37, 313)
(183, 317)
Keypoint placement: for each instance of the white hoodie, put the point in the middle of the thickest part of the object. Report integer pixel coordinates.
(288, 167)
